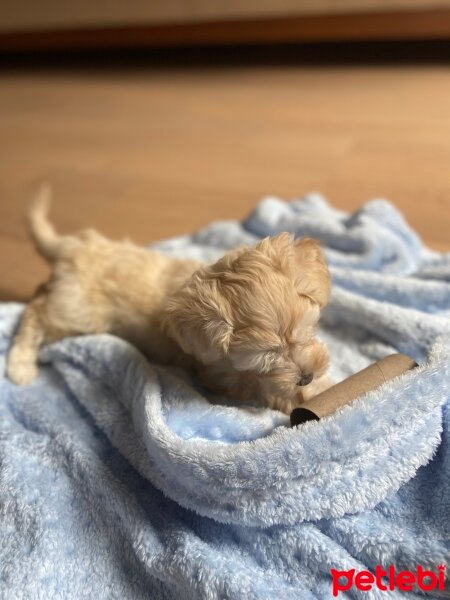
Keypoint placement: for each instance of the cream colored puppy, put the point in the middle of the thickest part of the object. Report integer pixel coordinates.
(246, 324)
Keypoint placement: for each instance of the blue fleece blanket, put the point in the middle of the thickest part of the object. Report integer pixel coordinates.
(120, 480)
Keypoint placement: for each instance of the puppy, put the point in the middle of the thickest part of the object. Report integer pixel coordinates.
(246, 324)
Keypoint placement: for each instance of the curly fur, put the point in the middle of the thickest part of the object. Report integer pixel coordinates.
(246, 323)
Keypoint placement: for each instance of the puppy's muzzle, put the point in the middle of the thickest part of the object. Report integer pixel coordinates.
(305, 379)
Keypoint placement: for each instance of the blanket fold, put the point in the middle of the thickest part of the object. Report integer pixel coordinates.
(119, 479)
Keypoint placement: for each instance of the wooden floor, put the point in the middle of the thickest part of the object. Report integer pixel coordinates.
(153, 153)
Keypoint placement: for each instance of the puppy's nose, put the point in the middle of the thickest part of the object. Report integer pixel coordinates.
(305, 379)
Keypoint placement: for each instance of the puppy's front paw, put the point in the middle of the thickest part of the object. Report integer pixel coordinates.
(21, 371)
(317, 386)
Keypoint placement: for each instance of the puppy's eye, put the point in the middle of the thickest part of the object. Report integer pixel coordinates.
(305, 379)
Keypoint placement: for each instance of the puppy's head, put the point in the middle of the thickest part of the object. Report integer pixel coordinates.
(257, 308)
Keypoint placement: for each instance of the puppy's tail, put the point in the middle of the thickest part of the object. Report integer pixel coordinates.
(42, 232)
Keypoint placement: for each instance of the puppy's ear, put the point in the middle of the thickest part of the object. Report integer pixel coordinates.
(197, 318)
(312, 275)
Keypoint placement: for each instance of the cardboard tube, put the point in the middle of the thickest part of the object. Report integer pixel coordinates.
(344, 392)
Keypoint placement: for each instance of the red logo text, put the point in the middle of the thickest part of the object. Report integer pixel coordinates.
(388, 579)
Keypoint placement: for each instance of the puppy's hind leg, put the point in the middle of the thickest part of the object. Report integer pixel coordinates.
(22, 359)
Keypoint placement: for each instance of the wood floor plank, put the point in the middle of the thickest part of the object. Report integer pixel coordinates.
(152, 153)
